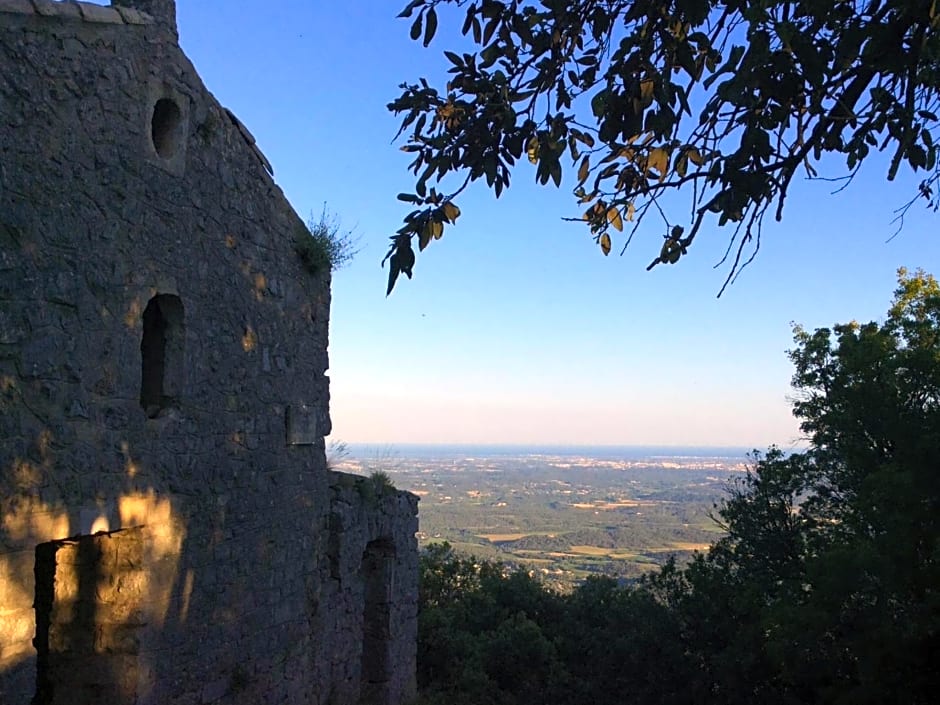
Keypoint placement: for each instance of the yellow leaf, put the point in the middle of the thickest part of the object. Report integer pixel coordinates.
(532, 150)
(613, 217)
(437, 229)
(584, 169)
(451, 212)
(628, 153)
(658, 159)
(695, 156)
(605, 244)
(631, 209)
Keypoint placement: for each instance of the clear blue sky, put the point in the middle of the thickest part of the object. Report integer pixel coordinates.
(516, 329)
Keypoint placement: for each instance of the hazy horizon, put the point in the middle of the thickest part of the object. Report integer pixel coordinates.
(392, 451)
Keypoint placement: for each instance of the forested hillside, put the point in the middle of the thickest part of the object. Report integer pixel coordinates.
(825, 589)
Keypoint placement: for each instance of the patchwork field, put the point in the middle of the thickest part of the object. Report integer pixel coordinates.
(565, 516)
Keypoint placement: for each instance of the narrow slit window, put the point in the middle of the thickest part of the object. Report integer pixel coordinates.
(378, 562)
(161, 353)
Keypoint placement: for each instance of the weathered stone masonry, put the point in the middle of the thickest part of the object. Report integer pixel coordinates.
(169, 532)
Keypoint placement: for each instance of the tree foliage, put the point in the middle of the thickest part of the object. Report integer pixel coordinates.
(727, 100)
(824, 588)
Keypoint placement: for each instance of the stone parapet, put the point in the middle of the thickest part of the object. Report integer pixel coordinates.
(77, 11)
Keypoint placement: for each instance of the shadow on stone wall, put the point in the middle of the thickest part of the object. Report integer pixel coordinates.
(136, 601)
(76, 606)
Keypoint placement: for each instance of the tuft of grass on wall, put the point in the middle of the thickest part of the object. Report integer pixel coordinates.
(323, 245)
(374, 488)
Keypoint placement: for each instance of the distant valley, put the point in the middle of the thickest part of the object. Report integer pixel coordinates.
(564, 513)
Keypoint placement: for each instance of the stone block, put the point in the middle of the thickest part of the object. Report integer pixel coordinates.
(301, 425)
(100, 13)
(132, 16)
(67, 10)
(47, 8)
(23, 7)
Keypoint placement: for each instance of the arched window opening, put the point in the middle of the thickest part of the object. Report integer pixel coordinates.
(161, 353)
(378, 562)
(165, 128)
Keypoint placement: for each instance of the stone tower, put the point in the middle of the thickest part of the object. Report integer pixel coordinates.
(169, 530)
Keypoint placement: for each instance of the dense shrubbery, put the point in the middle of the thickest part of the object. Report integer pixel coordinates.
(826, 588)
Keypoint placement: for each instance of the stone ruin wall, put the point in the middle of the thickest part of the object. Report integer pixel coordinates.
(169, 532)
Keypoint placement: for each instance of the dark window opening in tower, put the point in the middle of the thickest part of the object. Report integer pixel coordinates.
(161, 352)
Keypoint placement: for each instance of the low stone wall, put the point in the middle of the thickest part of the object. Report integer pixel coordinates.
(373, 591)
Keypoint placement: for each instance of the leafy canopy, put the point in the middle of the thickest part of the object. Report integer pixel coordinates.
(726, 98)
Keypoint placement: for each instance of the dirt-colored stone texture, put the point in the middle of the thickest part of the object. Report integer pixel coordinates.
(169, 532)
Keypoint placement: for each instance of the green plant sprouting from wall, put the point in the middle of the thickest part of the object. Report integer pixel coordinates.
(323, 245)
(375, 487)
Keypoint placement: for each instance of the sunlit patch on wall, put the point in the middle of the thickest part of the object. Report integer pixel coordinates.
(16, 606)
(44, 443)
(164, 535)
(261, 283)
(7, 383)
(129, 465)
(187, 593)
(99, 525)
(249, 339)
(238, 438)
(30, 520)
(133, 314)
(26, 476)
(25, 523)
